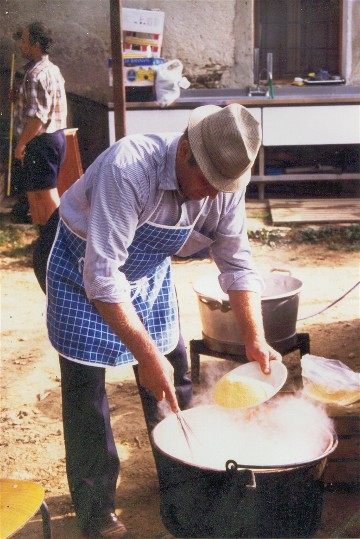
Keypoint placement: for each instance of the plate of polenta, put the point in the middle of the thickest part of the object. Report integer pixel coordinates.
(247, 386)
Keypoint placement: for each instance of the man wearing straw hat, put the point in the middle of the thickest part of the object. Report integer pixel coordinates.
(40, 120)
(111, 299)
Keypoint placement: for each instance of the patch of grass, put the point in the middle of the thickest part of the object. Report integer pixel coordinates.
(267, 236)
(16, 240)
(336, 238)
(9, 235)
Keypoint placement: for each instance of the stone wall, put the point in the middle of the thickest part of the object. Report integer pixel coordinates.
(213, 39)
(81, 30)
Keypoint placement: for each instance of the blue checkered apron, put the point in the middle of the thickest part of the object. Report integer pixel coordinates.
(75, 328)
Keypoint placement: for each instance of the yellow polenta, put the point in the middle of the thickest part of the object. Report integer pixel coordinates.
(236, 391)
(332, 395)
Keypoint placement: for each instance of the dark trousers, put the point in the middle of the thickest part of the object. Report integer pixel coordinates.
(43, 159)
(42, 248)
(92, 461)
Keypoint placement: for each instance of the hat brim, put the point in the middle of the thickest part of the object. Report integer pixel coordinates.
(212, 175)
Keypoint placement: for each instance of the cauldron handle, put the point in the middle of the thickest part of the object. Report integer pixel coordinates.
(213, 304)
(247, 474)
(280, 270)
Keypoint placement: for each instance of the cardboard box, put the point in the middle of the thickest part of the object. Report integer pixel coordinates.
(140, 71)
(143, 31)
(137, 71)
(141, 44)
(143, 20)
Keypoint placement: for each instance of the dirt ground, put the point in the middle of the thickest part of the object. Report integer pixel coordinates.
(32, 444)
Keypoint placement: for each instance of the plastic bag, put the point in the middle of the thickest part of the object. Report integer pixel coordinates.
(168, 82)
(329, 380)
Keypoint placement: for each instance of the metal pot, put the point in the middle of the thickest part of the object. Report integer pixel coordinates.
(239, 500)
(279, 302)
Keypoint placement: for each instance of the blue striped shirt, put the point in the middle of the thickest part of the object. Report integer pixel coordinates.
(134, 181)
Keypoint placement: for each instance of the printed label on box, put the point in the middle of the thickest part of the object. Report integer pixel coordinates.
(139, 76)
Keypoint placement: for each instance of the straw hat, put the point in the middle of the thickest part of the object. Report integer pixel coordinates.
(225, 142)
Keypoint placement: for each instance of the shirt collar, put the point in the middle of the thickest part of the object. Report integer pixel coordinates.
(33, 63)
(169, 180)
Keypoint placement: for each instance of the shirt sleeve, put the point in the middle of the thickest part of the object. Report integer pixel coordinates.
(231, 250)
(39, 100)
(115, 207)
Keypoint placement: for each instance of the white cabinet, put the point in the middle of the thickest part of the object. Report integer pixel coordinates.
(296, 125)
(157, 121)
(311, 125)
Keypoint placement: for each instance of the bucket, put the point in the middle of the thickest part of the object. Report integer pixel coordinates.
(279, 303)
(235, 499)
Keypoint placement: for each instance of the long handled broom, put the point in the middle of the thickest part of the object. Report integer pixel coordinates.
(8, 187)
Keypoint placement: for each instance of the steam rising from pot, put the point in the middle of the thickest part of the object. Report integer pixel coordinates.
(286, 430)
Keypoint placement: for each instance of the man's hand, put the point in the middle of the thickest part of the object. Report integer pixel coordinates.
(12, 94)
(155, 371)
(263, 353)
(19, 152)
(32, 129)
(247, 310)
(158, 377)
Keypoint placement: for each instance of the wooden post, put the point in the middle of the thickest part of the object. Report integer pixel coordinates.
(118, 68)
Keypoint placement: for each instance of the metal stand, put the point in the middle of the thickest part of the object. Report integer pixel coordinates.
(301, 342)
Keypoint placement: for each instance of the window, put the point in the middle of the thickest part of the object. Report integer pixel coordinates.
(303, 35)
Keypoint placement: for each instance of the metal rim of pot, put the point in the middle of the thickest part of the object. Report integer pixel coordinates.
(255, 467)
(224, 304)
(230, 463)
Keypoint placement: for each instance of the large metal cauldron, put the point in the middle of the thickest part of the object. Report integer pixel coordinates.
(279, 302)
(239, 500)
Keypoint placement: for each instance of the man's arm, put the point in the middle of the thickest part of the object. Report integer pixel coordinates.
(155, 371)
(32, 128)
(247, 310)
